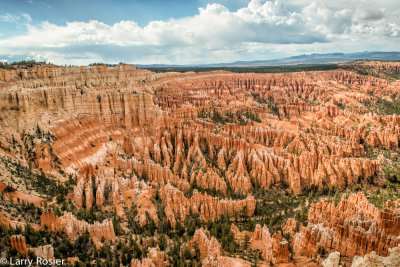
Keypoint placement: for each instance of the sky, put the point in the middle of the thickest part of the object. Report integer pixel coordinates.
(80, 32)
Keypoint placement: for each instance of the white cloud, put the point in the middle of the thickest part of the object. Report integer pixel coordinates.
(215, 33)
(27, 18)
(9, 18)
(13, 18)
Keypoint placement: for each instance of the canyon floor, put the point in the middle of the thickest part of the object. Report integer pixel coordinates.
(114, 165)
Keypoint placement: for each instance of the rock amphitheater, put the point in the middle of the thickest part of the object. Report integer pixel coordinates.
(163, 169)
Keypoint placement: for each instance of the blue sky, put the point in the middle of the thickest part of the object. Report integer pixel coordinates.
(109, 11)
(192, 31)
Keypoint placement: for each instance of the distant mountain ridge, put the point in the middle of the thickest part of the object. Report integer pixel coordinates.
(314, 58)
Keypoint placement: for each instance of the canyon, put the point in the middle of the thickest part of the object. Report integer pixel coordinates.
(165, 168)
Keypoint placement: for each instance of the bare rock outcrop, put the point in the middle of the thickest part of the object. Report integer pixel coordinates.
(68, 224)
(105, 188)
(44, 252)
(209, 180)
(155, 258)
(209, 248)
(354, 227)
(19, 244)
(373, 260)
(332, 260)
(155, 173)
(274, 248)
(208, 208)
(290, 227)
(210, 251)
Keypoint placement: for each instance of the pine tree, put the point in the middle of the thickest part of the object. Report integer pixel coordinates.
(246, 242)
(337, 196)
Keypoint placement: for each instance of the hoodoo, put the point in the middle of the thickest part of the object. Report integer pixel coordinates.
(104, 164)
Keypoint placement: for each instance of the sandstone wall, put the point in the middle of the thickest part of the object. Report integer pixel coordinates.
(207, 207)
(68, 224)
(354, 227)
(274, 248)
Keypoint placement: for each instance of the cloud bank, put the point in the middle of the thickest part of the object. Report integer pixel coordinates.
(263, 29)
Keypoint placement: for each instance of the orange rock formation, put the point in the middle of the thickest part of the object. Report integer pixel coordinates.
(98, 120)
(290, 226)
(274, 248)
(210, 250)
(18, 243)
(73, 227)
(206, 143)
(354, 227)
(207, 207)
(154, 258)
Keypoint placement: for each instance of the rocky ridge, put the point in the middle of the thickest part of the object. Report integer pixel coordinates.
(68, 224)
(353, 227)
